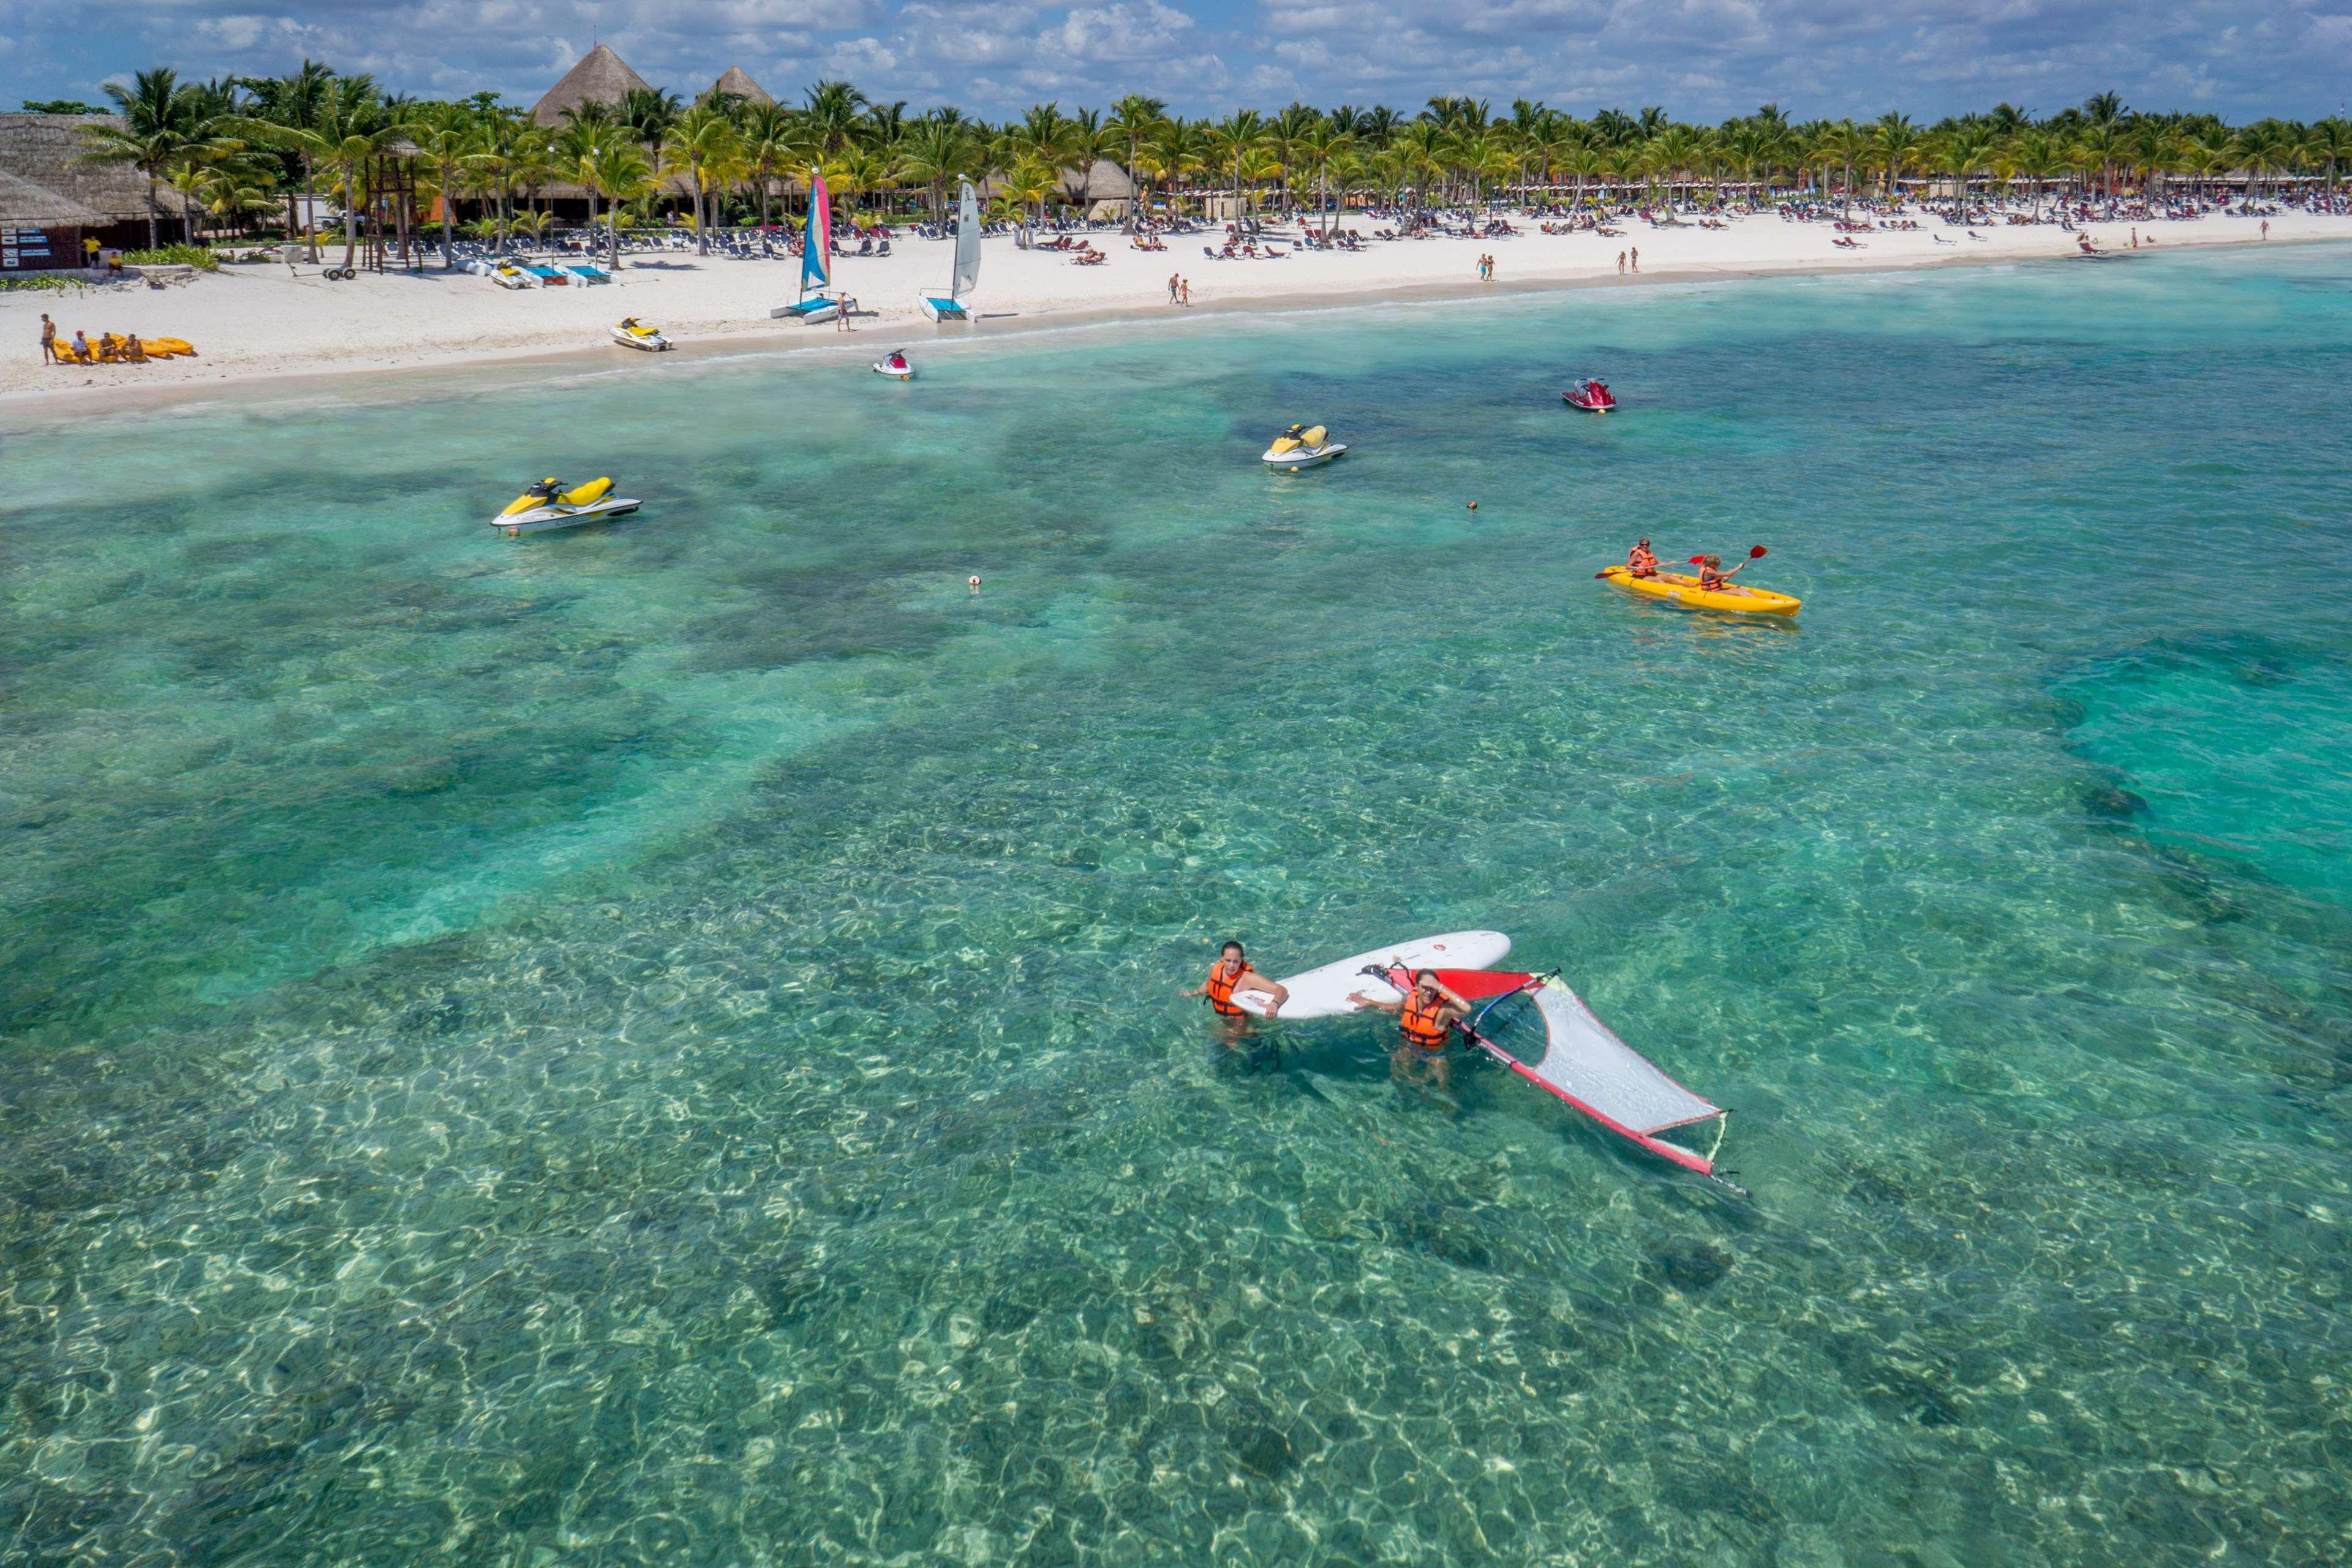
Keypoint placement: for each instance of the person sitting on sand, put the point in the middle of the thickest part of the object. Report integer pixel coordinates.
(1640, 560)
(82, 347)
(1713, 578)
(133, 350)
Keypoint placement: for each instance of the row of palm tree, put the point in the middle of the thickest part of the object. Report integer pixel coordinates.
(236, 145)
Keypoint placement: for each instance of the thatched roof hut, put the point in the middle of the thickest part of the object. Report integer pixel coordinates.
(45, 181)
(23, 202)
(601, 77)
(736, 83)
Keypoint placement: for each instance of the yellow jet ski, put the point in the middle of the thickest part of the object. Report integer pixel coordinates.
(548, 505)
(1302, 447)
(631, 333)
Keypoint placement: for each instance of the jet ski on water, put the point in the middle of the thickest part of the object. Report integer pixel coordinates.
(1302, 447)
(1593, 396)
(548, 505)
(896, 365)
(631, 333)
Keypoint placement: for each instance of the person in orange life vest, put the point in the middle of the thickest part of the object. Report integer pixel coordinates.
(1230, 976)
(1426, 1016)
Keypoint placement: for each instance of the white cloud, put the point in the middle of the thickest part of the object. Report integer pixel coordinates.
(1702, 58)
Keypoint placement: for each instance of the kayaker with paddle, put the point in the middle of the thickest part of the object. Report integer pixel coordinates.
(1714, 579)
(1230, 976)
(1640, 560)
(1427, 1014)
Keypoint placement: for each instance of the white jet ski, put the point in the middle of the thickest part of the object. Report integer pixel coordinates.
(1302, 447)
(896, 366)
(548, 505)
(631, 333)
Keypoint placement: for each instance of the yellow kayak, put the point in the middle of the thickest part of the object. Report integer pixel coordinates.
(1684, 590)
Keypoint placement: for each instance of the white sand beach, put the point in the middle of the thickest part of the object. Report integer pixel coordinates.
(256, 321)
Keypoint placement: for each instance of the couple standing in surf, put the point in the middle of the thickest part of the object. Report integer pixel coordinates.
(1427, 1014)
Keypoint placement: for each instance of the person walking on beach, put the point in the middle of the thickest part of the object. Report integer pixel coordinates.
(841, 317)
(49, 340)
(1184, 288)
(1173, 282)
(1620, 264)
(2266, 229)
(1637, 258)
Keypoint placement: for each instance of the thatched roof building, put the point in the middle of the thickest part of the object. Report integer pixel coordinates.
(35, 206)
(54, 203)
(736, 83)
(601, 77)
(46, 183)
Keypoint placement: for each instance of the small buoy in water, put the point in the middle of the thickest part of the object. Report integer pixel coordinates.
(972, 581)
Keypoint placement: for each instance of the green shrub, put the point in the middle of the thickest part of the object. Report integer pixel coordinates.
(48, 280)
(199, 256)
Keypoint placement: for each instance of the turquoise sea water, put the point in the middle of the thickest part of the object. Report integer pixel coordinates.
(662, 1045)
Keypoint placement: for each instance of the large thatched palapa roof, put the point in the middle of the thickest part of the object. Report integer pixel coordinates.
(736, 83)
(601, 77)
(45, 181)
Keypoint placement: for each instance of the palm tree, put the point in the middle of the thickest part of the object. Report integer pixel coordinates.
(292, 100)
(448, 137)
(1895, 145)
(617, 169)
(2038, 155)
(649, 112)
(773, 141)
(1234, 140)
(1962, 153)
(933, 152)
(163, 125)
(350, 126)
(2331, 144)
(1839, 145)
(696, 141)
(1319, 145)
(833, 114)
(1134, 117)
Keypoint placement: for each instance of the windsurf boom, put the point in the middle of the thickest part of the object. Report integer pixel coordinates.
(1543, 1031)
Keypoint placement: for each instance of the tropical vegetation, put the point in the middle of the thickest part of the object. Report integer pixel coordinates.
(239, 148)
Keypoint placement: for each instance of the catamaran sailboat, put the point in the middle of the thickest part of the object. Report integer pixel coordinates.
(815, 250)
(956, 306)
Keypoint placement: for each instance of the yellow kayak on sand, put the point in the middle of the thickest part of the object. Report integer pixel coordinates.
(1684, 590)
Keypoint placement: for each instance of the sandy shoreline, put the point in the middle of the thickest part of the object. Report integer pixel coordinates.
(264, 335)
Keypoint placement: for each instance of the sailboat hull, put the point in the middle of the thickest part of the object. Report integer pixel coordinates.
(943, 309)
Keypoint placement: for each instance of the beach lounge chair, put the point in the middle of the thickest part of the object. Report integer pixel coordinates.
(587, 272)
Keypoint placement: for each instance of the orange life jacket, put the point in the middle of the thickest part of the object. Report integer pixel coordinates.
(1221, 990)
(1425, 1028)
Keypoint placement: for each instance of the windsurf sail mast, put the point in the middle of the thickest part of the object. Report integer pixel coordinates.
(1543, 1031)
(967, 250)
(818, 244)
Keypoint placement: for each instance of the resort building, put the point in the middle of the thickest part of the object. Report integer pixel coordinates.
(53, 205)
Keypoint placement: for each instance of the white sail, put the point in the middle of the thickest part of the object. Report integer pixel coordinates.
(967, 252)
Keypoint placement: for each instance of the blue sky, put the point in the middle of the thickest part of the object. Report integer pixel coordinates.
(1702, 60)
